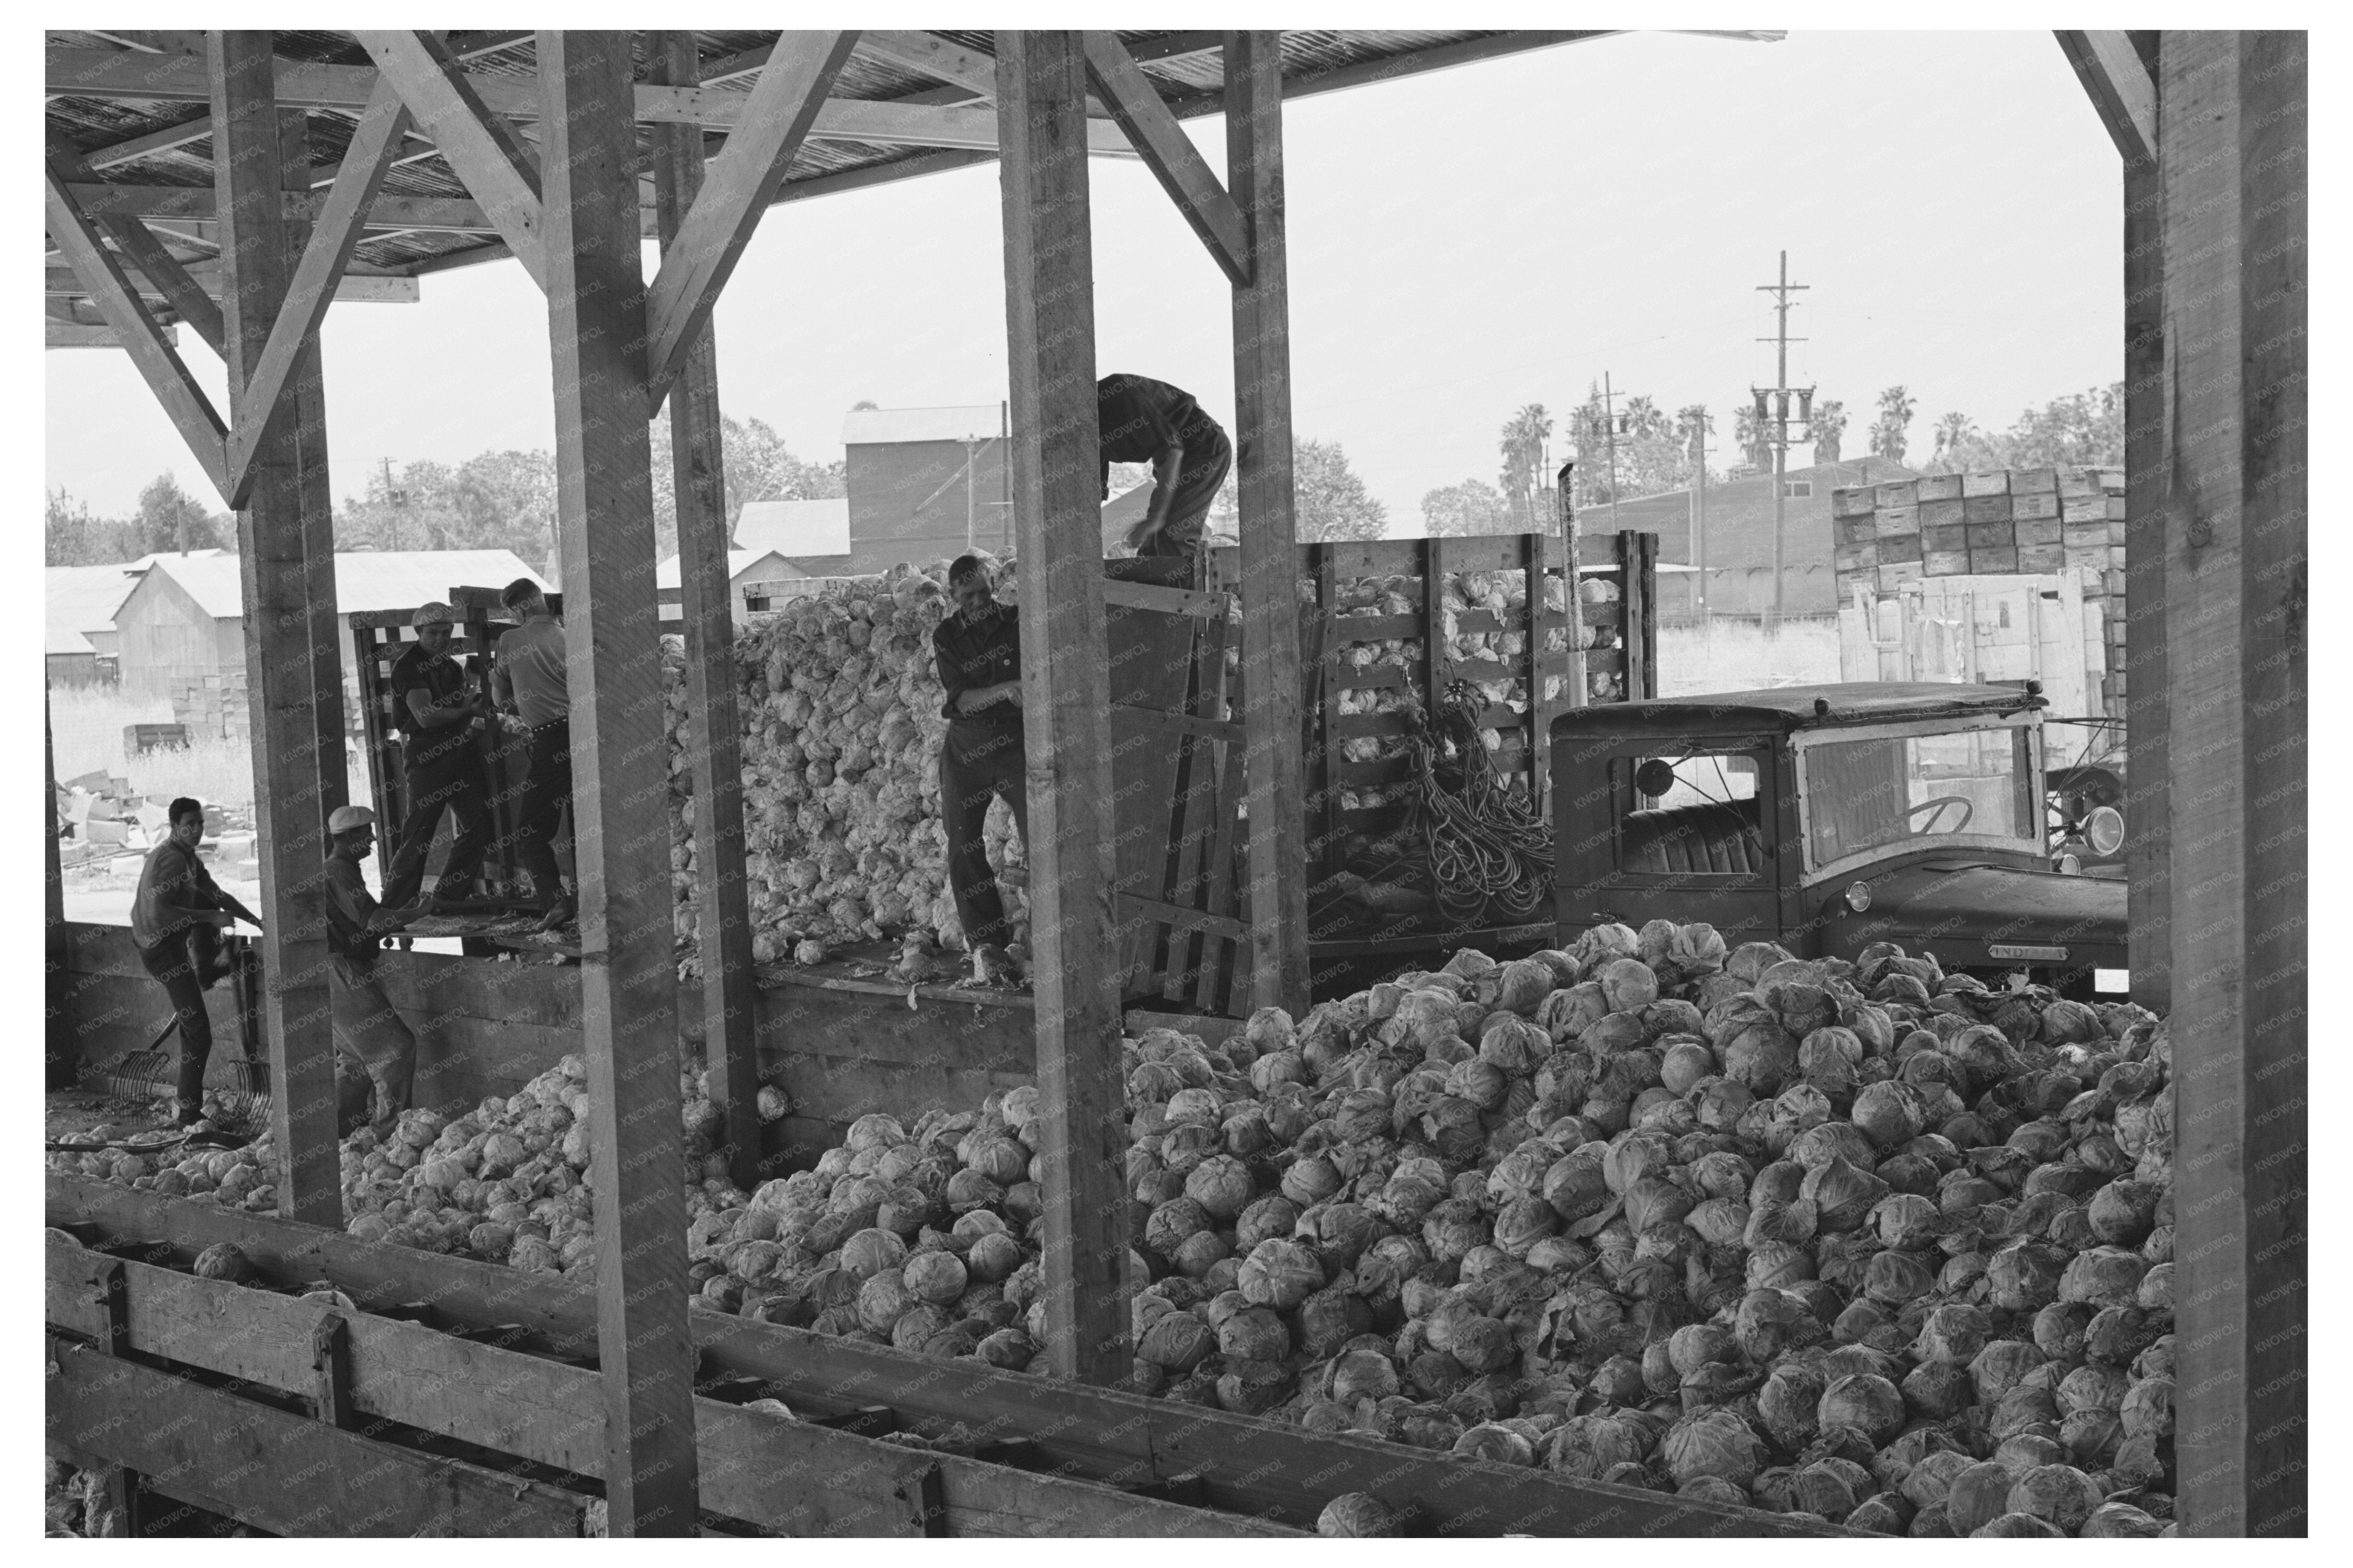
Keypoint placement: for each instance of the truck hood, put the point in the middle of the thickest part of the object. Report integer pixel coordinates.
(1970, 904)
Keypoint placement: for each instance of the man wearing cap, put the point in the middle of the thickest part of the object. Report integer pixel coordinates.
(977, 648)
(176, 916)
(368, 1032)
(1144, 421)
(529, 683)
(438, 717)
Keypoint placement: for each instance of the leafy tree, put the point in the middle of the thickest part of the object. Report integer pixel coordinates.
(170, 518)
(1830, 426)
(1962, 447)
(1754, 438)
(2083, 430)
(1888, 440)
(1469, 508)
(1331, 501)
(73, 535)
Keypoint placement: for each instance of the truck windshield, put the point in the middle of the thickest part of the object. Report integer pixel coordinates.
(1869, 793)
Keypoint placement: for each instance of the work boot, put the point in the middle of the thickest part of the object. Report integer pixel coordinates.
(559, 915)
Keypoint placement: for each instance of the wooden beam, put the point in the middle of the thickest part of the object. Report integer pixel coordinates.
(2121, 89)
(596, 303)
(482, 149)
(137, 333)
(304, 411)
(172, 281)
(698, 260)
(104, 73)
(2149, 816)
(934, 57)
(2235, 162)
(367, 289)
(62, 1057)
(186, 134)
(277, 583)
(715, 754)
(449, 214)
(1169, 153)
(1065, 700)
(312, 288)
(1272, 766)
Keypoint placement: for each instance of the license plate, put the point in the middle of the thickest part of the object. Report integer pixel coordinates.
(2031, 954)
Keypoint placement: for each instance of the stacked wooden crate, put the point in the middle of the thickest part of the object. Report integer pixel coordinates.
(213, 705)
(2016, 521)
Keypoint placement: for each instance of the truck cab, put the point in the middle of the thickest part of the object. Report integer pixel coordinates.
(1826, 818)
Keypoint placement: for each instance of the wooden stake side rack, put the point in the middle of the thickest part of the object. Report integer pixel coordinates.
(463, 1396)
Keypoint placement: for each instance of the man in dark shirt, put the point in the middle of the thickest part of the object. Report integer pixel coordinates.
(438, 717)
(978, 650)
(1147, 421)
(368, 1032)
(175, 917)
(529, 685)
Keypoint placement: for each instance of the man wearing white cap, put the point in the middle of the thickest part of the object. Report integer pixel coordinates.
(438, 717)
(367, 1031)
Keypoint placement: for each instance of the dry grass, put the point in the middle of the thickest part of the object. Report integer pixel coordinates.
(1739, 656)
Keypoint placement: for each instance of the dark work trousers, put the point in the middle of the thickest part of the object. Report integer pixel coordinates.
(976, 762)
(1189, 508)
(177, 964)
(547, 788)
(452, 783)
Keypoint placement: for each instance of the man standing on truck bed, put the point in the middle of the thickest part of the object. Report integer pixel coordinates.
(978, 650)
(175, 917)
(439, 716)
(529, 683)
(368, 1032)
(1147, 421)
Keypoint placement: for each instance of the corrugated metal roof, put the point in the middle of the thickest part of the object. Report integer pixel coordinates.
(882, 427)
(65, 640)
(84, 598)
(795, 528)
(364, 579)
(667, 575)
(1187, 67)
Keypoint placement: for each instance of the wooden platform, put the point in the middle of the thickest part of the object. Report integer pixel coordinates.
(480, 1368)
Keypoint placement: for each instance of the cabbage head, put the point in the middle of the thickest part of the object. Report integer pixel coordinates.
(1863, 1403)
(1715, 1442)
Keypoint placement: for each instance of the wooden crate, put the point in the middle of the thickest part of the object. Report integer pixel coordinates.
(2041, 557)
(1942, 513)
(1850, 558)
(1898, 492)
(1991, 484)
(2092, 559)
(1860, 530)
(2084, 536)
(1991, 535)
(1893, 576)
(2033, 481)
(1994, 560)
(2038, 532)
(2075, 482)
(1896, 521)
(1945, 562)
(1938, 487)
(2034, 506)
(1900, 548)
(2116, 531)
(1853, 500)
(1946, 538)
(2093, 507)
(2115, 508)
(1986, 509)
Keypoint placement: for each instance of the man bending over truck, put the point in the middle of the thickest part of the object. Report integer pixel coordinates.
(1147, 421)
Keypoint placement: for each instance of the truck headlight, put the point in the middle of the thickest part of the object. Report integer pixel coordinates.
(2104, 830)
(2068, 865)
(1857, 897)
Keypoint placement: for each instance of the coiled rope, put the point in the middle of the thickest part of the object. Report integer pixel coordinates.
(1490, 854)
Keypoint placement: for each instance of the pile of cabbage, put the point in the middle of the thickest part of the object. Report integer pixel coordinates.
(840, 710)
(507, 1181)
(1869, 1242)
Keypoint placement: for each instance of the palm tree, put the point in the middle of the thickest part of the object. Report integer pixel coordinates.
(1694, 425)
(1954, 431)
(1895, 408)
(1830, 424)
(1525, 442)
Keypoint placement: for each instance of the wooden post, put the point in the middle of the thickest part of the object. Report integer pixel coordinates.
(64, 1059)
(2233, 159)
(1042, 83)
(275, 574)
(1268, 523)
(2149, 822)
(707, 600)
(306, 387)
(596, 322)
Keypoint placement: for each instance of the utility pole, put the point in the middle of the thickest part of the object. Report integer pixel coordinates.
(1699, 508)
(1609, 437)
(393, 501)
(1779, 416)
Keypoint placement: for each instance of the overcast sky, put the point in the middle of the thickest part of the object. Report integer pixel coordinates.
(1461, 242)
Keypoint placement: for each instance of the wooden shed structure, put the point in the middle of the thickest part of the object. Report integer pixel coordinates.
(284, 166)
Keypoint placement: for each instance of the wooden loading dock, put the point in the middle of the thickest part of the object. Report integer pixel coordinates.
(310, 173)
